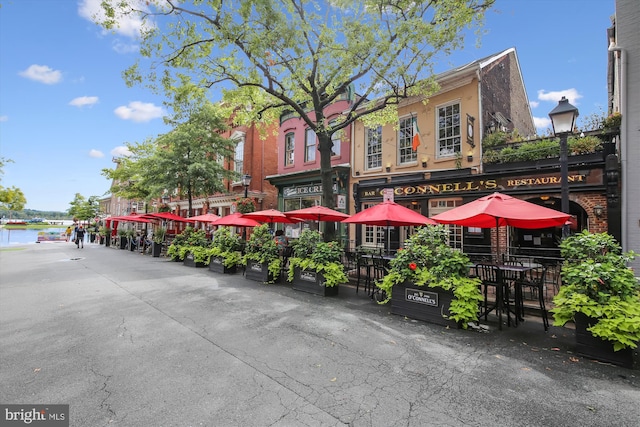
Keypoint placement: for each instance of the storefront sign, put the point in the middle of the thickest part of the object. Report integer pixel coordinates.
(421, 297)
(594, 177)
(302, 190)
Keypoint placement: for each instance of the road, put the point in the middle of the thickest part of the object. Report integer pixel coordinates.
(131, 340)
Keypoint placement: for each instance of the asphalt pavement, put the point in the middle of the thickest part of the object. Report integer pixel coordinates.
(130, 340)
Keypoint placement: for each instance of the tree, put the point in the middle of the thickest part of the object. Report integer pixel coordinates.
(84, 209)
(298, 55)
(12, 199)
(188, 160)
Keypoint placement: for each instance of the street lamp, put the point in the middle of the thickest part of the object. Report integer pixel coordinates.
(246, 180)
(563, 119)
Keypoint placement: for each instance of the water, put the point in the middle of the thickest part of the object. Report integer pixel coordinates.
(23, 236)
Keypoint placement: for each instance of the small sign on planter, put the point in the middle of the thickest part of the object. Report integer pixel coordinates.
(415, 302)
(312, 282)
(217, 265)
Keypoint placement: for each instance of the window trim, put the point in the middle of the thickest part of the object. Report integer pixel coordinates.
(413, 158)
(289, 153)
(366, 148)
(439, 140)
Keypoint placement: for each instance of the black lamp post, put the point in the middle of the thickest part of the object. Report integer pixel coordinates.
(246, 181)
(563, 119)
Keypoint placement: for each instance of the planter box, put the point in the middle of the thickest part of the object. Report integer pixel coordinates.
(123, 242)
(216, 265)
(259, 272)
(422, 303)
(312, 282)
(189, 262)
(156, 249)
(596, 348)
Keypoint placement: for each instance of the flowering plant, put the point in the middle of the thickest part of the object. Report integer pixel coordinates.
(245, 205)
(312, 253)
(612, 121)
(427, 260)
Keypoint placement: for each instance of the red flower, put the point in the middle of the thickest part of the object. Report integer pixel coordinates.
(413, 266)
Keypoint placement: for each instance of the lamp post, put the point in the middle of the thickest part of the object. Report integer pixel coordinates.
(563, 119)
(246, 181)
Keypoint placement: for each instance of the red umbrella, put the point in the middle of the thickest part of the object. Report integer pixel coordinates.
(318, 213)
(498, 210)
(271, 216)
(389, 214)
(168, 216)
(208, 217)
(128, 218)
(236, 220)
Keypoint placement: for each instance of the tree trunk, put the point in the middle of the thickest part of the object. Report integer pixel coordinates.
(324, 147)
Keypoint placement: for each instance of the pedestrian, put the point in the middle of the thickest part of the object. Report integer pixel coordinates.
(80, 237)
(68, 233)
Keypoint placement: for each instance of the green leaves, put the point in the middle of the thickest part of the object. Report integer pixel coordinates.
(597, 283)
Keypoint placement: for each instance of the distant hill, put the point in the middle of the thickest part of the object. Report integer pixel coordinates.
(31, 213)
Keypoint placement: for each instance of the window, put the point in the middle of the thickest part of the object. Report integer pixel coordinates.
(373, 235)
(405, 142)
(455, 239)
(289, 145)
(374, 148)
(336, 138)
(449, 130)
(310, 146)
(239, 157)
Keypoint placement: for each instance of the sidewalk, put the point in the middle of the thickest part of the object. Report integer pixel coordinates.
(127, 339)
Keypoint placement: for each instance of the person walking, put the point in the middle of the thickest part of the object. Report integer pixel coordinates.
(80, 237)
(68, 233)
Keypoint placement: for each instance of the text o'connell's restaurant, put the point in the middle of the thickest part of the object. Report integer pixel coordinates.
(590, 206)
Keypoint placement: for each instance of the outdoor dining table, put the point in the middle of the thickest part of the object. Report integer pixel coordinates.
(502, 284)
(380, 268)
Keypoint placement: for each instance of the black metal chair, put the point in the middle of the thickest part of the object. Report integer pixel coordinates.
(534, 280)
(491, 277)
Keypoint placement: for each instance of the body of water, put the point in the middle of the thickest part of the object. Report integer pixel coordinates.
(23, 236)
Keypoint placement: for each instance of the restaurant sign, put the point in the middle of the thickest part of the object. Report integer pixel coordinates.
(306, 190)
(542, 181)
(421, 297)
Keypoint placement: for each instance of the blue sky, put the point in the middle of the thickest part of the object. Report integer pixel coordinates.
(65, 110)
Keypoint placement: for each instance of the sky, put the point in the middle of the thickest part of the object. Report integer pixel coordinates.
(65, 111)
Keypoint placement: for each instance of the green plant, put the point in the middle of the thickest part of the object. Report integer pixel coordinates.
(245, 205)
(584, 145)
(226, 245)
(427, 260)
(262, 248)
(312, 253)
(188, 241)
(612, 121)
(104, 231)
(122, 232)
(159, 235)
(200, 253)
(598, 283)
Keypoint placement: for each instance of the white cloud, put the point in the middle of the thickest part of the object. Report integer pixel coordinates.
(96, 154)
(121, 151)
(123, 47)
(542, 122)
(571, 94)
(84, 100)
(42, 74)
(139, 112)
(4, 118)
(129, 24)
(534, 104)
